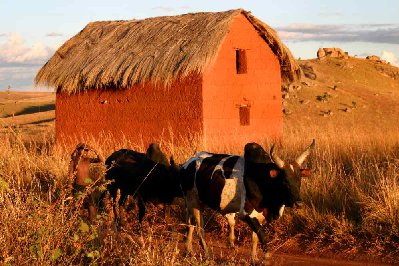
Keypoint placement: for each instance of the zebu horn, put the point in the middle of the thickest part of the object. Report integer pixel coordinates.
(277, 160)
(301, 158)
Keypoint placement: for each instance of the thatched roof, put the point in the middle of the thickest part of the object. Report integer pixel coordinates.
(123, 53)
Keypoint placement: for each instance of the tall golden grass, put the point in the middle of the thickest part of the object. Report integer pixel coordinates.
(351, 205)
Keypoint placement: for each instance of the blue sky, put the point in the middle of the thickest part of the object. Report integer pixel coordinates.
(30, 31)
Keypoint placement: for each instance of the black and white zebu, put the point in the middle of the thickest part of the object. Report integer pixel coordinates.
(249, 186)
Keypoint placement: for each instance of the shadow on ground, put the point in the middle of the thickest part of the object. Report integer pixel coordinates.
(39, 122)
(36, 109)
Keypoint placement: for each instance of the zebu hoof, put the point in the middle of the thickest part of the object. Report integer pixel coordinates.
(188, 253)
(207, 255)
(119, 223)
(267, 259)
(189, 250)
(141, 241)
(230, 244)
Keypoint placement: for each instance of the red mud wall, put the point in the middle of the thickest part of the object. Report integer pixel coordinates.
(225, 91)
(142, 114)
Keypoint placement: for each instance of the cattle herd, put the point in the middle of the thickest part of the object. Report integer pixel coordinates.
(255, 187)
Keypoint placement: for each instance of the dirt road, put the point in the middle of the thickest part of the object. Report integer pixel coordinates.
(293, 260)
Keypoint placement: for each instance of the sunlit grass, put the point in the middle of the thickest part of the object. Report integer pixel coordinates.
(351, 205)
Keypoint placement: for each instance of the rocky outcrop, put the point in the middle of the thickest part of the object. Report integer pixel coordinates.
(332, 52)
(308, 71)
(373, 57)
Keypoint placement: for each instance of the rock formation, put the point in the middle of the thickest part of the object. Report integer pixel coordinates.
(332, 52)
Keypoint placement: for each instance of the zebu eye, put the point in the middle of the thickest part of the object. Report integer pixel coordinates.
(273, 173)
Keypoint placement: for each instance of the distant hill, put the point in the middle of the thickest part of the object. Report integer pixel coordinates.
(343, 93)
(30, 113)
(21, 103)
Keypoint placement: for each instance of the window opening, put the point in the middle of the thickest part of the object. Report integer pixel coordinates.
(244, 115)
(241, 61)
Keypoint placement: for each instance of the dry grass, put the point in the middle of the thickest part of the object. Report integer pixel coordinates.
(352, 207)
(30, 114)
(348, 93)
(351, 200)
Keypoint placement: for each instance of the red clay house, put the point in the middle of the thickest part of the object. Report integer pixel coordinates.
(216, 76)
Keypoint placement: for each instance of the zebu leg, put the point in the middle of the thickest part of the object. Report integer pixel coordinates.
(166, 209)
(254, 256)
(255, 239)
(253, 222)
(191, 200)
(141, 206)
(200, 228)
(193, 210)
(189, 240)
(231, 221)
(116, 206)
(108, 206)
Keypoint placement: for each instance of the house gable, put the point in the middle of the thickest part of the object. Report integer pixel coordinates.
(242, 107)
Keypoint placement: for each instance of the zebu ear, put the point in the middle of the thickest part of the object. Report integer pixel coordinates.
(74, 153)
(172, 161)
(305, 172)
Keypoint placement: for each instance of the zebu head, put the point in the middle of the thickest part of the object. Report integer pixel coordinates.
(155, 153)
(291, 174)
(172, 185)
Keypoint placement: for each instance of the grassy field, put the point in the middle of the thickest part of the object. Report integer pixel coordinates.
(351, 201)
(29, 114)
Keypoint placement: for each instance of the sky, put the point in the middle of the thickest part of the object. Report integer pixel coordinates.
(31, 31)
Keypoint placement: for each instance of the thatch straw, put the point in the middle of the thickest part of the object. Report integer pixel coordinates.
(120, 54)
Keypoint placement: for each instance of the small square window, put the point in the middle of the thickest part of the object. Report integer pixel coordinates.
(241, 61)
(244, 115)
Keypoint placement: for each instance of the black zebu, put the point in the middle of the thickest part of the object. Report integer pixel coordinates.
(245, 185)
(134, 173)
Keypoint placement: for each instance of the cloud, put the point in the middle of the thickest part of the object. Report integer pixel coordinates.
(19, 62)
(15, 50)
(54, 34)
(163, 8)
(374, 33)
(390, 57)
(17, 72)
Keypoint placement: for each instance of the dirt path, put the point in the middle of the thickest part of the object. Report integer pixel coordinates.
(242, 253)
(293, 260)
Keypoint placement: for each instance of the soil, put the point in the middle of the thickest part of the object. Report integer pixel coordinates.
(291, 252)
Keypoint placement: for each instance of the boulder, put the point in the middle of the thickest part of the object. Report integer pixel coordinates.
(332, 52)
(373, 57)
(321, 53)
(308, 70)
